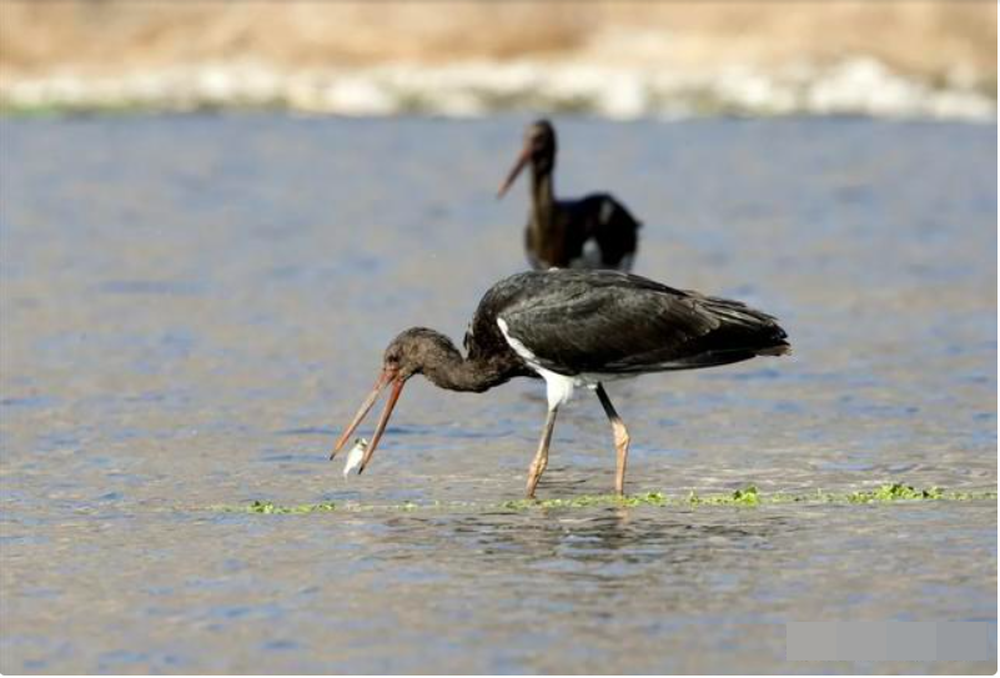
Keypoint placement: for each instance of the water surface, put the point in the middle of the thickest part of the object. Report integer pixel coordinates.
(193, 306)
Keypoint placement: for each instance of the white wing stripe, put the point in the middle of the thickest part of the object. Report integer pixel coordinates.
(558, 387)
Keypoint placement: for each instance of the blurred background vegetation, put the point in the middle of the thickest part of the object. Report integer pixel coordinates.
(941, 44)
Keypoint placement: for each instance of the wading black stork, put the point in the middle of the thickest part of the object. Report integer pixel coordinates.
(595, 231)
(574, 328)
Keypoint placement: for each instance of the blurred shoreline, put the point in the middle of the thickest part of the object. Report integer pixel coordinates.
(617, 60)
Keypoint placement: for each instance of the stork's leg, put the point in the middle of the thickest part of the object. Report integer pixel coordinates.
(621, 438)
(541, 459)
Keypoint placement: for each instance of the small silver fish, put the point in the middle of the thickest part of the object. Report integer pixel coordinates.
(355, 456)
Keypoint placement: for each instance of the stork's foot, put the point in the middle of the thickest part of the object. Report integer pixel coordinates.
(535, 472)
(541, 459)
(622, 440)
(621, 437)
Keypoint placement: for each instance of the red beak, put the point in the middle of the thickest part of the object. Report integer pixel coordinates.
(384, 379)
(522, 160)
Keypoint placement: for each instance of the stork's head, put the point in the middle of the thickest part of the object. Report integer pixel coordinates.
(411, 352)
(539, 149)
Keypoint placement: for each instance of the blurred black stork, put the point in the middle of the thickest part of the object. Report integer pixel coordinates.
(594, 232)
(574, 328)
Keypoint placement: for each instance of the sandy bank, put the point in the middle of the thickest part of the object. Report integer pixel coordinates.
(624, 60)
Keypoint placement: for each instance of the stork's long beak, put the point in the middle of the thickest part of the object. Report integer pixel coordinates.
(385, 378)
(522, 160)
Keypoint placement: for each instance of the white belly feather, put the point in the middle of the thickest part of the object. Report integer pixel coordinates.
(559, 387)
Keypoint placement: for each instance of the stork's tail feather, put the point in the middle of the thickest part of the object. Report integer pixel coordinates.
(761, 331)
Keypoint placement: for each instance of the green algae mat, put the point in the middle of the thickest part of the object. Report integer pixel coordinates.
(747, 497)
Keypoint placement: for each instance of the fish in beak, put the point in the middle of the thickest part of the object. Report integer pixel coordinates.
(355, 456)
(386, 378)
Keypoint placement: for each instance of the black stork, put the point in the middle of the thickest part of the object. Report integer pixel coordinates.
(574, 328)
(595, 231)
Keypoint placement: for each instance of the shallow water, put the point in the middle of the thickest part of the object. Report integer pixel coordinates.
(193, 306)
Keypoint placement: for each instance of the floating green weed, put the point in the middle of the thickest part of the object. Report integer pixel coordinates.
(269, 508)
(748, 496)
(894, 492)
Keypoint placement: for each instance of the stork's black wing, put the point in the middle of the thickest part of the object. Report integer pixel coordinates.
(615, 323)
(613, 228)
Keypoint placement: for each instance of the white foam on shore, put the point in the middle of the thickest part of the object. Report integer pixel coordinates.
(858, 86)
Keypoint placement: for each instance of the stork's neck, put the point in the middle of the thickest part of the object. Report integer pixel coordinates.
(446, 368)
(543, 199)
